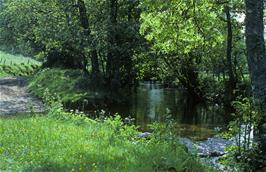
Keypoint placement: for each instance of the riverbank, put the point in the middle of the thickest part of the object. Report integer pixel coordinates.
(68, 142)
(64, 141)
(146, 103)
(210, 150)
(38, 139)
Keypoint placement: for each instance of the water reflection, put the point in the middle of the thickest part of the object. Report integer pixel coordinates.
(150, 102)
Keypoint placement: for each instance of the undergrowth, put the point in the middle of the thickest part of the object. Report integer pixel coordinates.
(70, 85)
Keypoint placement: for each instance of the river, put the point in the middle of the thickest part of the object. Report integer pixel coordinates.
(151, 102)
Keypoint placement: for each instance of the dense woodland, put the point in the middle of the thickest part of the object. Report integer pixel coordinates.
(86, 50)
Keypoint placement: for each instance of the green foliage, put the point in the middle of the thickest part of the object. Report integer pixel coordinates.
(179, 39)
(69, 85)
(76, 143)
(188, 38)
(9, 59)
(40, 25)
(241, 130)
(213, 88)
(171, 27)
(147, 67)
(37, 28)
(18, 70)
(17, 65)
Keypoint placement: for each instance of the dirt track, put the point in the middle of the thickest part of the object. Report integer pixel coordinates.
(14, 97)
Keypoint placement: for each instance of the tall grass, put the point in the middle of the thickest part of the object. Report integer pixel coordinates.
(68, 143)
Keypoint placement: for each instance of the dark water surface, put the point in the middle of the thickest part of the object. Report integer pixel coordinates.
(150, 102)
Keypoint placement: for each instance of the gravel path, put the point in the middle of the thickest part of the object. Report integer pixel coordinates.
(14, 97)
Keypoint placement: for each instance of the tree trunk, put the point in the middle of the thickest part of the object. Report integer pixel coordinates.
(84, 21)
(257, 66)
(232, 79)
(191, 81)
(113, 61)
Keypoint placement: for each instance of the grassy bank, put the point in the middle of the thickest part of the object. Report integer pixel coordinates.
(70, 85)
(16, 65)
(9, 59)
(75, 143)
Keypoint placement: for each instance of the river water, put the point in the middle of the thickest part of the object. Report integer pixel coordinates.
(151, 102)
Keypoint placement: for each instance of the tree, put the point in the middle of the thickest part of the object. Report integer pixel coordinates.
(66, 33)
(180, 33)
(123, 41)
(257, 65)
(84, 21)
(232, 79)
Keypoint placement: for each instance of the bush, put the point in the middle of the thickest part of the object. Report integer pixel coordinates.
(70, 85)
(242, 155)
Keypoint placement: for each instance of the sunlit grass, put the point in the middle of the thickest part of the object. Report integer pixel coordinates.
(42, 143)
(9, 59)
(16, 65)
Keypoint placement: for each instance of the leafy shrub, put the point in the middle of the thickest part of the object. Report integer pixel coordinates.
(70, 85)
(241, 129)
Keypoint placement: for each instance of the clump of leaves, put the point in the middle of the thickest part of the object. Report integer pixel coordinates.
(241, 130)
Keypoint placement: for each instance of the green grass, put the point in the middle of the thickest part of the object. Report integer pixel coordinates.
(70, 85)
(68, 143)
(16, 65)
(3, 74)
(9, 59)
